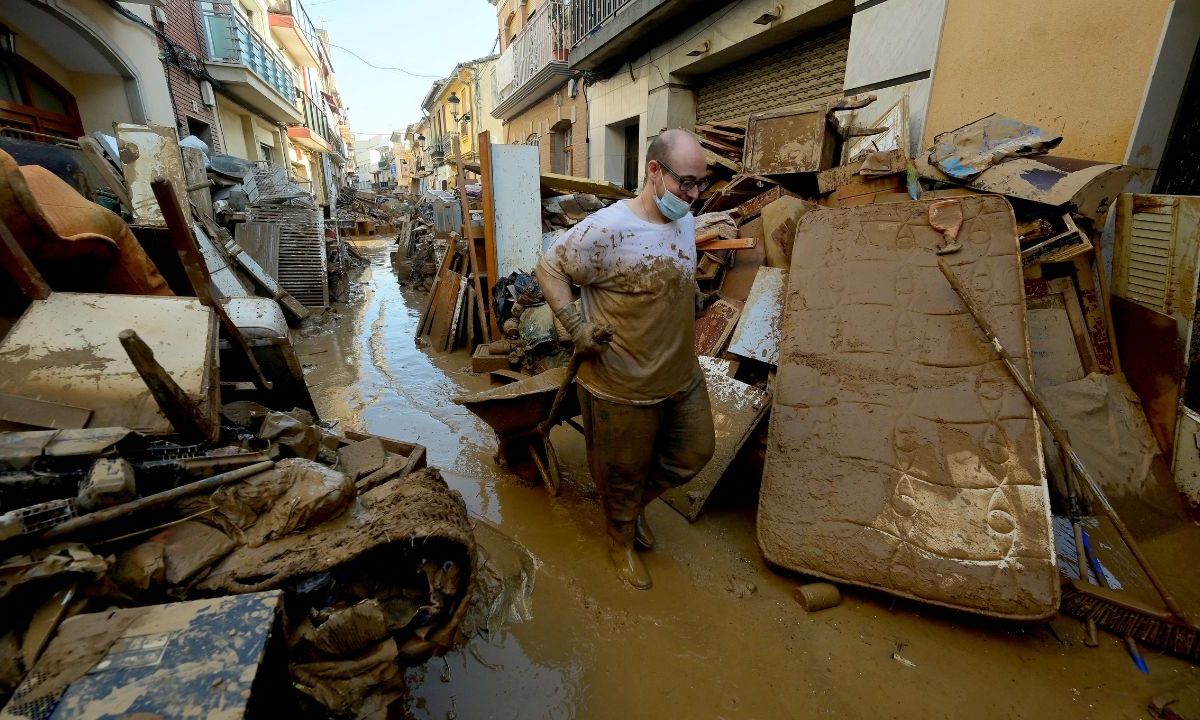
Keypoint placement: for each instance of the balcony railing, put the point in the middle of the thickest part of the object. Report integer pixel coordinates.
(439, 149)
(230, 39)
(315, 120)
(303, 23)
(587, 15)
(545, 40)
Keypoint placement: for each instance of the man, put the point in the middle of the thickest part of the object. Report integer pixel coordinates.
(646, 411)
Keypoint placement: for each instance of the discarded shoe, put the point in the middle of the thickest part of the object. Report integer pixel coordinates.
(630, 567)
(642, 532)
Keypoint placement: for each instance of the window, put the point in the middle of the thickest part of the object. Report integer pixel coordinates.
(201, 130)
(31, 100)
(560, 158)
(267, 152)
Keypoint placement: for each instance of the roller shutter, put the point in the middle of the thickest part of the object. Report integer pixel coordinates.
(807, 68)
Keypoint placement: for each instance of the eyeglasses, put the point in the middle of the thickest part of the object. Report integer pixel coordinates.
(686, 184)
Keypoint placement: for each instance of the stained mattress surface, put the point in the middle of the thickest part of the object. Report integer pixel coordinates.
(901, 455)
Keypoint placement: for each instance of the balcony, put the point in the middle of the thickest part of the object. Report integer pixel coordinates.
(608, 31)
(439, 149)
(294, 31)
(315, 134)
(245, 65)
(535, 63)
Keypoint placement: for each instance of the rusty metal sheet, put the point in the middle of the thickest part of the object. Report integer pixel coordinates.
(901, 455)
(1156, 376)
(147, 152)
(714, 326)
(757, 333)
(65, 350)
(737, 410)
(788, 141)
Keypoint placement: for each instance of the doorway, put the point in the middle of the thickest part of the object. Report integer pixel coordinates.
(632, 147)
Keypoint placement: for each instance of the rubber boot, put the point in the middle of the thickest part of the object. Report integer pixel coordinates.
(642, 532)
(627, 562)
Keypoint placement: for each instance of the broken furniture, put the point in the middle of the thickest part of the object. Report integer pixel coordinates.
(901, 455)
(148, 152)
(77, 244)
(65, 349)
(218, 658)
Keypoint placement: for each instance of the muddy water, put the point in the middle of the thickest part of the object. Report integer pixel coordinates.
(719, 636)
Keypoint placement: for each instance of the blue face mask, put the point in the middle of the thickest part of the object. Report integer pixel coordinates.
(670, 205)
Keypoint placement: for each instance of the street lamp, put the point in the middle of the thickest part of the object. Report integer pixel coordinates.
(453, 100)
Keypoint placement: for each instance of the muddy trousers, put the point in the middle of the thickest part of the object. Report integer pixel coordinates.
(638, 452)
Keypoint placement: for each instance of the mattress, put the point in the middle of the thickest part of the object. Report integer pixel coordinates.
(901, 454)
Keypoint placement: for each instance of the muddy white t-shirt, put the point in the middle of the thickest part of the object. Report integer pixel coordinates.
(638, 277)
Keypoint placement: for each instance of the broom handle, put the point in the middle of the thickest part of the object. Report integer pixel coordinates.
(1060, 437)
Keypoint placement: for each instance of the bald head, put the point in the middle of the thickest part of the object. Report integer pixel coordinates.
(675, 146)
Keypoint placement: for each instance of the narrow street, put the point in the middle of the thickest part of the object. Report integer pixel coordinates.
(719, 635)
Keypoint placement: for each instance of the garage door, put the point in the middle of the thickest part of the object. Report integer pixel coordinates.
(807, 68)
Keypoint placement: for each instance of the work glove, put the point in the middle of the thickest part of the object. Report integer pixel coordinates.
(589, 338)
(705, 299)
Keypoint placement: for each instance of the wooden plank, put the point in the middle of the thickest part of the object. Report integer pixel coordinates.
(489, 226)
(719, 147)
(1092, 314)
(736, 137)
(195, 173)
(427, 307)
(727, 244)
(571, 184)
(38, 413)
(443, 309)
(1083, 340)
(712, 158)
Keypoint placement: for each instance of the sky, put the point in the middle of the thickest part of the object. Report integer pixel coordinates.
(424, 37)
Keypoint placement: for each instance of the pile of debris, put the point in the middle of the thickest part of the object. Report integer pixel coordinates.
(158, 444)
(515, 326)
(861, 298)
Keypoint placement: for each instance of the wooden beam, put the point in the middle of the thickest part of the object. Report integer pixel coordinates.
(22, 270)
(489, 226)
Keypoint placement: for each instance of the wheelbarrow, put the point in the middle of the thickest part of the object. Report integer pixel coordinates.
(522, 414)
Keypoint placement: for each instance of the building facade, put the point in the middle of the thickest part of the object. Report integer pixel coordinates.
(1114, 96)
(459, 105)
(75, 67)
(538, 98)
(273, 96)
